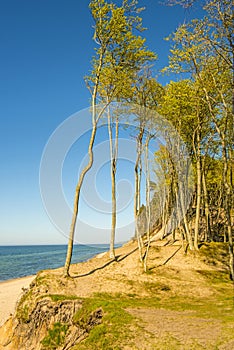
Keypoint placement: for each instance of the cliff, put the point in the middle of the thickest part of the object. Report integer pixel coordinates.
(184, 301)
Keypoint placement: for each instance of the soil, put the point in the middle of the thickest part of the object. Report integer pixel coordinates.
(170, 270)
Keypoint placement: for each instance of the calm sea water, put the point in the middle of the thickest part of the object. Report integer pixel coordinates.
(19, 261)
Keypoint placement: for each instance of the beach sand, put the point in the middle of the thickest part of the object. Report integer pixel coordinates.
(10, 292)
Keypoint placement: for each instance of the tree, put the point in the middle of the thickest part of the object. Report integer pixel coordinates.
(119, 56)
(147, 94)
(118, 78)
(204, 48)
(178, 106)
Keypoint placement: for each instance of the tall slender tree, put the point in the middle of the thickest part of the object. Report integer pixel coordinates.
(118, 79)
(119, 56)
(204, 48)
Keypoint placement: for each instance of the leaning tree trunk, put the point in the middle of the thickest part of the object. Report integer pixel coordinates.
(76, 202)
(95, 119)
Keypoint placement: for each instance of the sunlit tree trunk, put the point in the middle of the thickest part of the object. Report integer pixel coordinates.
(148, 204)
(207, 208)
(199, 188)
(113, 160)
(227, 206)
(119, 56)
(137, 195)
(185, 220)
(95, 119)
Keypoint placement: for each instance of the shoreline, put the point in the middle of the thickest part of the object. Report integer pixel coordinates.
(10, 293)
(11, 290)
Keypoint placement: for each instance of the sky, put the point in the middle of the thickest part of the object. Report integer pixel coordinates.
(46, 47)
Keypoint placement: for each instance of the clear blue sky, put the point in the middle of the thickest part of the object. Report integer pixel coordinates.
(46, 47)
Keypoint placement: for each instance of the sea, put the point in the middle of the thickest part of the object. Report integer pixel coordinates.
(20, 261)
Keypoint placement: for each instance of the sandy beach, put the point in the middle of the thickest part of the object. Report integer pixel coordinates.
(10, 292)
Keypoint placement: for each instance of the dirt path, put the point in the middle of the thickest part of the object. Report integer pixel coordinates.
(184, 327)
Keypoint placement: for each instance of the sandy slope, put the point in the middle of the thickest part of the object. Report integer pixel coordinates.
(173, 275)
(10, 292)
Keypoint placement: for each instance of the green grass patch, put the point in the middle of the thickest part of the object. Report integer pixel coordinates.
(215, 276)
(41, 280)
(61, 297)
(214, 253)
(155, 287)
(114, 329)
(119, 328)
(56, 336)
(22, 312)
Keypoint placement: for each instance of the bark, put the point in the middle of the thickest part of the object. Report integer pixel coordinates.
(113, 155)
(76, 202)
(181, 202)
(185, 221)
(227, 207)
(227, 189)
(207, 209)
(137, 197)
(95, 119)
(148, 209)
(199, 187)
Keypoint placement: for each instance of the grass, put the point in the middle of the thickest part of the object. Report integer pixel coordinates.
(114, 329)
(119, 327)
(22, 312)
(215, 276)
(214, 253)
(155, 287)
(56, 336)
(61, 297)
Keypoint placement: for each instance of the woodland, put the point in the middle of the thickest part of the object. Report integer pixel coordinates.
(171, 286)
(200, 107)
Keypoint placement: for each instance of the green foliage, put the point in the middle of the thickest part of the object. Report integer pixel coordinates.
(121, 53)
(60, 297)
(114, 327)
(56, 336)
(41, 280)
(156, 287)
(23, 307)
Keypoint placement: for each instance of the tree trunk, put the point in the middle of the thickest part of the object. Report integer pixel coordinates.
(113, 156)
(113, 214)
(137, 197)
(185, 221)
(76, 202)
(227, 207)
(199, 178)
(95, 119)
(207, 209)
(148, 209)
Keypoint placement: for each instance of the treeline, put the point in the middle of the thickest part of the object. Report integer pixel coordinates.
(192, 200)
